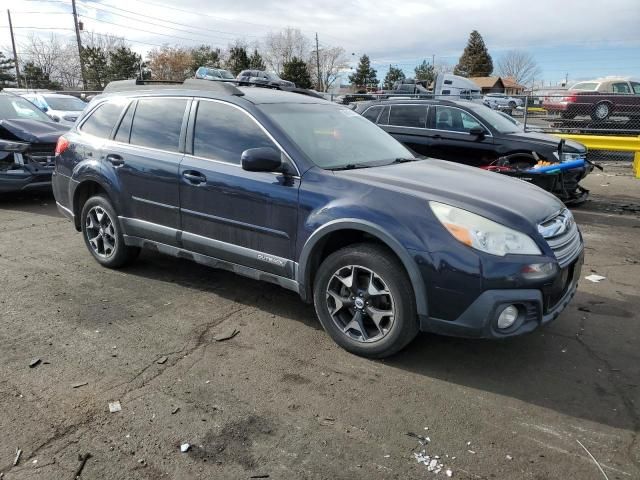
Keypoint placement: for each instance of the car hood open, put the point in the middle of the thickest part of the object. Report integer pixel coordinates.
(34, 131)
(503, 199)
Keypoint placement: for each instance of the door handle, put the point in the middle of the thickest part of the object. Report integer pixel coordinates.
(194, 177)
(115, 160)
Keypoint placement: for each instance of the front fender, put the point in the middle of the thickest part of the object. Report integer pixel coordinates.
(304, 262)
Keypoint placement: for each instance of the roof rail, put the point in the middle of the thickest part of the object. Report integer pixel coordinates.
(190, 83)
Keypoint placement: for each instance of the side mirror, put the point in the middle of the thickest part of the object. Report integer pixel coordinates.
(477, 131)
(44, 109)
(263, 159)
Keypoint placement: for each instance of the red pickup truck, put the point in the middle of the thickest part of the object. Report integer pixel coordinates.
(598, 99)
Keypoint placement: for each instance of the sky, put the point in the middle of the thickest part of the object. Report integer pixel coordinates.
(577, 39)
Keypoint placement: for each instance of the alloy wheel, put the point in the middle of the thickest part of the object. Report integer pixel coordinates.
(100, 232)
(602, 111)
(360, 303)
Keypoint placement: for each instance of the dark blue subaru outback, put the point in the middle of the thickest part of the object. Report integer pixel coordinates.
(309, 195)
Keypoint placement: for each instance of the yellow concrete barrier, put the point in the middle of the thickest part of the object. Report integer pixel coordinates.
(609, 143)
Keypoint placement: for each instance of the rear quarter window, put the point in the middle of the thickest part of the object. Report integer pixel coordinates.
(102, 120)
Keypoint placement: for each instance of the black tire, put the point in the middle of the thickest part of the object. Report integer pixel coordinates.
(120, 254)
(512, 105)
(601, 111)
(402, 326)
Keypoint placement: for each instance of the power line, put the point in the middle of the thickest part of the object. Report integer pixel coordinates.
(146, 17)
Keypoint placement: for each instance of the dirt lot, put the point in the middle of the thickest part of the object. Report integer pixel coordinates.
(280, 399)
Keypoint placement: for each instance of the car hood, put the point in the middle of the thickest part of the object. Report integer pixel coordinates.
(35, 131)
(547, 140)
(506, 200)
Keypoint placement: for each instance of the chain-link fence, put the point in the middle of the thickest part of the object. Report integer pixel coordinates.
(567, 111)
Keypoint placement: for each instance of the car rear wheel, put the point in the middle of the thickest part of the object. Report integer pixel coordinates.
(512, 105)
(601, 111)
(102, 234)
(365, 301)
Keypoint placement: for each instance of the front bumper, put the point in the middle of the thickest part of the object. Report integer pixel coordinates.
(536, 307)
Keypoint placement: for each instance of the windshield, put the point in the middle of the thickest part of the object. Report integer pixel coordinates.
(71, 104)
(493, 118)
(17, 107)
(335, 137)
(226, 74)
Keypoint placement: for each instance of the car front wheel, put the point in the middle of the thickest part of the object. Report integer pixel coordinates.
(364, 300)
(601, 111)
(102, 234)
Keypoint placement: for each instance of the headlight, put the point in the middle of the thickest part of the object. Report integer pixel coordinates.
(481, 233)
(567, 156)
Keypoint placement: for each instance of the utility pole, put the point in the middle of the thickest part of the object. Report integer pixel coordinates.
(75, 24)
(320, 86)
(15, 53)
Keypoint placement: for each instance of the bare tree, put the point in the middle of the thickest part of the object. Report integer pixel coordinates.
(57, 59)
(281, 47)
(333, 60)
(103, 41)
(170, 63)
(520, 66)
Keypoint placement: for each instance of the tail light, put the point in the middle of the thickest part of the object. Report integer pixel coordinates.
(61, 146)
(573, 98)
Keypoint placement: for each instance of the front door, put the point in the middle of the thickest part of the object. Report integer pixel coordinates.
(145, 155)
(451, 128)
(247, 218)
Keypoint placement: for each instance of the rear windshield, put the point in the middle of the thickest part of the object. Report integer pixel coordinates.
(14, 107)
(587, 86)
(335, 137)
(71, 104)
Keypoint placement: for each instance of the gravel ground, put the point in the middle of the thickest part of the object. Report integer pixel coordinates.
(280, 399)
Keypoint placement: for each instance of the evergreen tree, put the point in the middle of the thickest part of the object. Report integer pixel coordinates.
(256, 62)
(238, 59)
(7, 77)
(297, 71)
(475, 60)
(425, 72)
(96, 67)
(364, 76)
(36, 78)
(124, 64)
(393, 75)
(205, 56)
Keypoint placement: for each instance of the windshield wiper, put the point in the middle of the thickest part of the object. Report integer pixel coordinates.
(404, 160)
(352, 166)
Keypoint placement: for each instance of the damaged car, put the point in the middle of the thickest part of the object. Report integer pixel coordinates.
(473, 134)
(27, 145)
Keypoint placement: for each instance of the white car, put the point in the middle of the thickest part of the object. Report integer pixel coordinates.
(61, 108)
(500, 100)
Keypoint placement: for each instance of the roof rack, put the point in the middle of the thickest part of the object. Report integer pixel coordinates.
(189, 83)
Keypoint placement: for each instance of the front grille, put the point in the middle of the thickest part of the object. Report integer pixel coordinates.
(563, 236)
(42, 153)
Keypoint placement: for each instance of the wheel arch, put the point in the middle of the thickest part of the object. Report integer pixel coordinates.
(83, 191)
(348, 232)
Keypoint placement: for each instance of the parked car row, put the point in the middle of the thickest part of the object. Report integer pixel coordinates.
(312, 196)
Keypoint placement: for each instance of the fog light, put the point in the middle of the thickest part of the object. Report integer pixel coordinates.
(508, 316)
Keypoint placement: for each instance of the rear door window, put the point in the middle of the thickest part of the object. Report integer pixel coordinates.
(622, 87)
(222, 132)
(414, 116)
(103, 119)
(157, 123)
(636, 87)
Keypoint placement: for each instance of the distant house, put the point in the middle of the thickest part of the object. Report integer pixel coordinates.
(505, 85)
(489, 84)
(511, 87)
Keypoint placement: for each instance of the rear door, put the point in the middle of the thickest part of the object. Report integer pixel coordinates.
(407, 123)
(145, 157)
(248, 218)
(450, 128)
